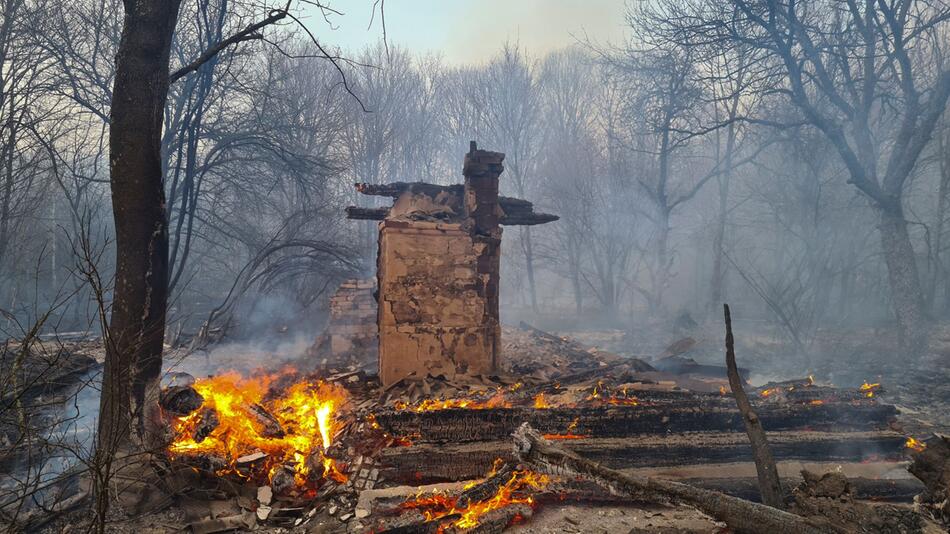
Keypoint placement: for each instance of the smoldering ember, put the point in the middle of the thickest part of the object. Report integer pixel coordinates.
(676, 266)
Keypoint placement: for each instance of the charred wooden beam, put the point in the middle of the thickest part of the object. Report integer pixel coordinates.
(528, 219)
(394, 189)
(426, 464)
(738, 514)
(485, 489)
(366, 214)
(695, 413)
(520, 212)
(517, 219)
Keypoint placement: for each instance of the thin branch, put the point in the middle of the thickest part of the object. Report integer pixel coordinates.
(249, 33)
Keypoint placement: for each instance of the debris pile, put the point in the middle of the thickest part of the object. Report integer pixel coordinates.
(351, 334)
(412, 456)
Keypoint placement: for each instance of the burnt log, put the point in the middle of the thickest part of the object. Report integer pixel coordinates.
(180, 400)
(496, 521)
(679, 365)
(740, 515)
(206, 425)
(427, 464)
(656, 414)
(270, 426)
(932, 466)
(485, 489)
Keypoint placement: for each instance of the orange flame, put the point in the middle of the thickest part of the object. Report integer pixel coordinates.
(569, 433)
(869, 389)
(436, 506)
(306, 412)
(540, 403)
(915, 445)
(482, 401)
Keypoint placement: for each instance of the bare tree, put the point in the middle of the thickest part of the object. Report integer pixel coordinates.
(862, 74)
(509, 100)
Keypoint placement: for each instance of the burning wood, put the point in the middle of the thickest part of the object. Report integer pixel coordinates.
(287, 428)
(270, 426)
(506, 487)
(314, 449)
(870, 390)
(914, 445)
(207, 423)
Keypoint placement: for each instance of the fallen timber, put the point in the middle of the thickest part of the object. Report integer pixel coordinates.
(694, 413)
(428, 463)
(740, 515)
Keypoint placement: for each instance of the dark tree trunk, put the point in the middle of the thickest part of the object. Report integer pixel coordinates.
(906, 293)
(129, 404)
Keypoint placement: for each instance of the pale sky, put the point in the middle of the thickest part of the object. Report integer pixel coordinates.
(467, 31)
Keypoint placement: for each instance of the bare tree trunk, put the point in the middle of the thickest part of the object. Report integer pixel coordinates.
(8, 182)
(719, 238)
(129, 408)
(939, 271)
(906, 293)
(528, 249)
(663, 263)
(770, 486)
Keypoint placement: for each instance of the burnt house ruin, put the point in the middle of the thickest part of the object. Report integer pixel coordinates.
(438, 269)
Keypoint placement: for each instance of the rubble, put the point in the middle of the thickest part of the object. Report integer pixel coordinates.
(351, 337)
(620, 412)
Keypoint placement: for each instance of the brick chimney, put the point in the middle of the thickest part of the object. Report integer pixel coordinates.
(481, 170)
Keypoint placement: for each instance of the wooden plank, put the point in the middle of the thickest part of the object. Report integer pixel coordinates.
(695, 414)
(426, 463)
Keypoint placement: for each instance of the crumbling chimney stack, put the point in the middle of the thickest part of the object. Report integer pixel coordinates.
(439, 270)
(481, 170)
